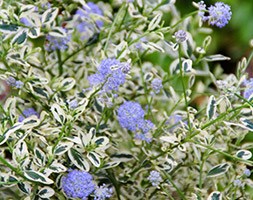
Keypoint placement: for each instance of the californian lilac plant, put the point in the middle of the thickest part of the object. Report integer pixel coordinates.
(75, 77)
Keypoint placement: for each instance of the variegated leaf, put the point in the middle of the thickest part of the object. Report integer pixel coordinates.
(58, 113)
(46, 192)
(37, 177)
(7, 133)
(94, 158)
(78, 160)
(218, 170)
(62, 147)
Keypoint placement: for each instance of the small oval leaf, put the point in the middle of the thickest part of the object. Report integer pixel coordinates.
(218, 170)
(244, 154)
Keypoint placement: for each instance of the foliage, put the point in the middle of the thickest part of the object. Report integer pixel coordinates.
(86, 112)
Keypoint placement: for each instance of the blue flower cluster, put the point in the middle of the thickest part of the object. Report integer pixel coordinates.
(157, 85)
(248, 92)
(78, 184)
(102, 192)
(27, 113)
(111, 73)
(219, 14)
(84, 14)
(60, 43)
(131, 117)
(155, 178)
(14, 83)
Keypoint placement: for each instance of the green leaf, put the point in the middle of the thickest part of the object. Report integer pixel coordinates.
(7, 133)
(247, 124)
(217, 57)
(20, 38)
(244, 154)
(218, 170)
(62, 147)
(58, 113)
(78, 160)
(46, 192)
(8, 27)
(67, 84)
(40, 157)
(49, 15)
(211, 107)
(25, 187)
(37, 177)
(94, 158)
(215, 196)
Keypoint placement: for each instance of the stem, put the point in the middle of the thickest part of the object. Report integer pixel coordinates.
(114, 182)
(184, 88)
(60, 66)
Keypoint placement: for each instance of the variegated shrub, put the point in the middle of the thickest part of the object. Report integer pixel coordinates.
(98, 101)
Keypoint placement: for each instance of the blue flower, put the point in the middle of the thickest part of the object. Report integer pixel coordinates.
(155, 178)
(248, 89)
(60, 43)
(102, 192)
(131, 116)
(110, 73)
(219, 14)
(84, 14)
(247, 172)
(78, 184)
(156, 85)
(238, 183)
(180, 36)
(27, 113)
(25, 21)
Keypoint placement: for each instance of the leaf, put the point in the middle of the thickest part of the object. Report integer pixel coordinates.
(94, 158)
(58, 32)
(49, 15)
(111, 165)
(40, 92)
(211, 107)
(187, 65)
(244, 154)
(30, 122)
(247, 124)
(217, 57)
(218, 170)
(37, 177)
(215, 196)
(46, 192)
(20, 151)
(58, 113)
(122, 157)
(40, 157)
(57, 167)
(155, 22)
(25, 187)
(62, 147)
(67, 84)
(20, 38)
(101, 141)
(34, 32)
(6, 135)
(78, 160)
(8, 27)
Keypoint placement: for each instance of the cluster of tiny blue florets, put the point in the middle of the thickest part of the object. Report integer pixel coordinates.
(155, 178)
(248, 92)
(219, 14)
(11, 81)
(131, 116)
(156, 85)
(27, 113)
(78, 184)
(110, 74)
(60, 43)
(102, 192)
(84, 14)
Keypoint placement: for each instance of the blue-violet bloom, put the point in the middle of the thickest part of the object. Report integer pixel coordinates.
(27, 113)
(102, 192)
(78, 184)
(157, 85)
(155, 178)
